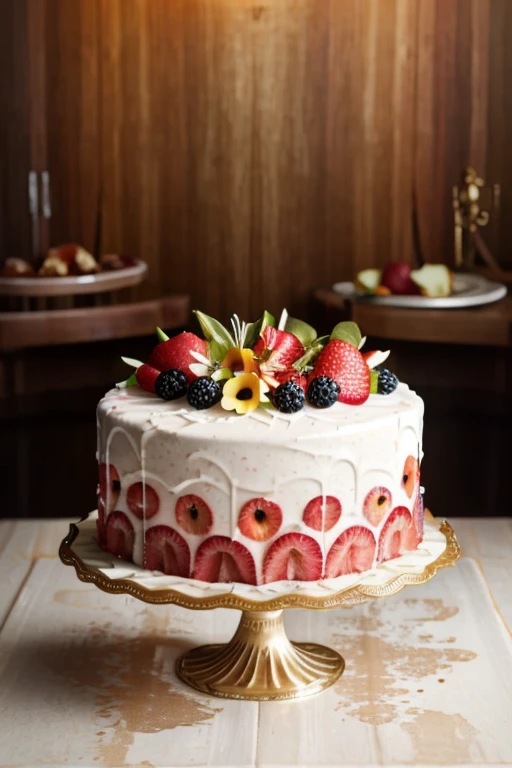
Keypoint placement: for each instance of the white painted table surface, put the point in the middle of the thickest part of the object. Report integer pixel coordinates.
(87, 679)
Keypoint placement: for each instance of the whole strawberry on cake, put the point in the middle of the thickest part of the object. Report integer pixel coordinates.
(258, 454)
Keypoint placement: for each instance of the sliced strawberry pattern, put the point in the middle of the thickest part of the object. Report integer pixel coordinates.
(322, 513)
(352, 552)
(377, 504)
(175, 353)
(165, 550)
(418, 515)
(260, 519)
(398, 535)
(411, 476)
(109, 485)
(119, 536)
(344, 363)
(143, 506)
(219, 559)
(293, 557)
(194, 515)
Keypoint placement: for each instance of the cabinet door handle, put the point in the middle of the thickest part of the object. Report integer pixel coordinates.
(33, 205)
(46, 205)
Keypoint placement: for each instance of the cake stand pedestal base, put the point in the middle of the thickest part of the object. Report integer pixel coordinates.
(260, 663)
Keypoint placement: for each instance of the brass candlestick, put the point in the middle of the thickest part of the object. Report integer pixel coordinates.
(473, 203)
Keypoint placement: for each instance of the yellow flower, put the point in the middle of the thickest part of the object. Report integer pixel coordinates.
(243, 393)
(238, 359)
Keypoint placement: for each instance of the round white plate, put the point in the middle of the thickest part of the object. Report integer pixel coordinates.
(468, 291)
(72, 285)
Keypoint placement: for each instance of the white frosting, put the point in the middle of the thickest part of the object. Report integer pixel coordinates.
(227, 459)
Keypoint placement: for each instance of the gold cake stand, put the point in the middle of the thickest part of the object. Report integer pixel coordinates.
(259, 663)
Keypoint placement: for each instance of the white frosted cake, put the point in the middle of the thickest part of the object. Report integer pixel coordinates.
(312, 481)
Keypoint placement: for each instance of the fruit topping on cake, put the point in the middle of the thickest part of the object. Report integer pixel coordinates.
(260, 519)
(257, 364)
(288, 398)
(165, 550)
(352, 552)
(387, 382)
(276, 351)
(323, 392)
(398, 535)
(344, 363)
(146, 377)
(203, 393)
(411, 476)
(322, 513)
(293, 557)
(194, 515)
(177, 353)
(119, 535)
(171, 384)
(219, 559)
(377, 504)
(244, 393)
(143, 501)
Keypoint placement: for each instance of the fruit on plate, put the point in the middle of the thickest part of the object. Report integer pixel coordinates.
(165, 550)
(352, 552)
(433, 280)
(368, 280)
(398, 535)
(291, 557)
(14, 267)
(342, 362)
(69, 259)
(397, 277)
(221, 559)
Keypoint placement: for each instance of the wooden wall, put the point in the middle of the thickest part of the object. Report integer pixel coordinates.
(251, 150)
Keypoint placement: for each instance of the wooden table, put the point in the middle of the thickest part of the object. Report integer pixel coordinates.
(87, 679)
(489, 325)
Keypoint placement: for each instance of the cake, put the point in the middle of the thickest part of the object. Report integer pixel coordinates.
(260, 455)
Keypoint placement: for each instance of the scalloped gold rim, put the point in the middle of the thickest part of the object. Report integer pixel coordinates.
(345, 598)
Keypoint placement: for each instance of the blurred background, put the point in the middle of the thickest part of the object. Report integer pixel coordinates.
(252, 154)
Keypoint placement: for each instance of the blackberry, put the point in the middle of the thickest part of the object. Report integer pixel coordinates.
(289, 398)
(388, 382)
(171, 384)
(323, 392)
(203, 393)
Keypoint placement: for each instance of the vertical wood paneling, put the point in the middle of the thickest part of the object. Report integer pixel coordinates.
(15, 237)
(70, 35)
(252, 151)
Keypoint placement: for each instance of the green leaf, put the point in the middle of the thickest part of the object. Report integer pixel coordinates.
(131, 361)
(161, 335)
(131, 381)
(322, 340)
(304, 332)
(219, 338)
(349, 332)
(374, 382)
(222, 373)
(254, 330)
(308, 356)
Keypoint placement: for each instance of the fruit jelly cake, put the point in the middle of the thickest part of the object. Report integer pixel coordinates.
(260, 497)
